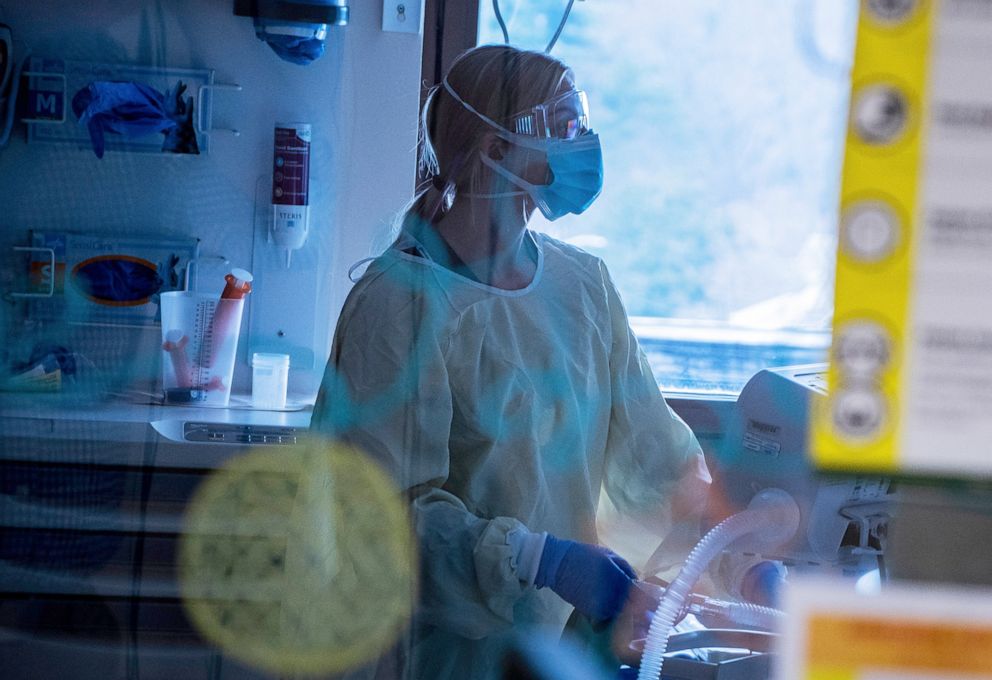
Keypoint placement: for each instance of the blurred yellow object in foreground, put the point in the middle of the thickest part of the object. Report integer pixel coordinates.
(300, 560)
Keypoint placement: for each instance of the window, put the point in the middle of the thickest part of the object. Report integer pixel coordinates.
(722, 126)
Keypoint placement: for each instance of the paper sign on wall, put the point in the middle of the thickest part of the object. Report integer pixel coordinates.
(906, 632)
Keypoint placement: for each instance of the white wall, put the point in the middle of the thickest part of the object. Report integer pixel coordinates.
(361, 98)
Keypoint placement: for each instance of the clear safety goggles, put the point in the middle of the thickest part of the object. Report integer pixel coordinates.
(564, 117)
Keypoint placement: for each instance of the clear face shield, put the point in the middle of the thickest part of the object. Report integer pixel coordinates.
(566, 116)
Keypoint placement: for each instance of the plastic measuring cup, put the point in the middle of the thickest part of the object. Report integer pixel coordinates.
(269, 380)
(199, 346)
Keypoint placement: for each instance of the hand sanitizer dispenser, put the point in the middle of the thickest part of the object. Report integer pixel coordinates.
(291, 186)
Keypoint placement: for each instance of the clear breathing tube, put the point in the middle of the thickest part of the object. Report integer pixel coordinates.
(742, 613)
(773, 518)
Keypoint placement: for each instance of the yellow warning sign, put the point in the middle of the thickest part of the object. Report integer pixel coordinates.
(910, 380)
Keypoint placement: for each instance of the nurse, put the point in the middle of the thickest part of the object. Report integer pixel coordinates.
(492, 371)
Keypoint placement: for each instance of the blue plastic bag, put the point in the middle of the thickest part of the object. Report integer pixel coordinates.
(294, 49)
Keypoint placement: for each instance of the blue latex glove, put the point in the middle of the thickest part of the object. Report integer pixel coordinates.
(123, 108)
(132, 109)
(593, 579)
(763, 582)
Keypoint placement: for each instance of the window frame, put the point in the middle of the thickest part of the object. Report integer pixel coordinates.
(450, 28)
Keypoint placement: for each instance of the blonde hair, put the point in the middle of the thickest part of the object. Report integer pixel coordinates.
(498, 81)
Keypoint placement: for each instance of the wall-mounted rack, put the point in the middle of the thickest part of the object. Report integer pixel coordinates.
(56, 279)
(51, 84)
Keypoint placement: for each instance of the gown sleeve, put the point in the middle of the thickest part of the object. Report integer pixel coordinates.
(386, 392)
(652, 457)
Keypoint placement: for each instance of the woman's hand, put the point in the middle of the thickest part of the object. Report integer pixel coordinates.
(593, 579)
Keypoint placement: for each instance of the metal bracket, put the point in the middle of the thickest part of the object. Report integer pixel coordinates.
(200, 98)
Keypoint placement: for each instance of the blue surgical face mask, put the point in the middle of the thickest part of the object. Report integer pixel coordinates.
(576, 168)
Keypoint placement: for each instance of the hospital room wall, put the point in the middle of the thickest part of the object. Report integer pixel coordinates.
(361, 98)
